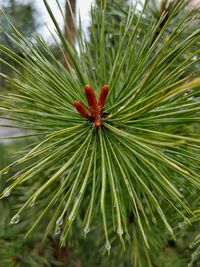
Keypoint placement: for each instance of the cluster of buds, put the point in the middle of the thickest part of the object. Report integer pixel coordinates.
(96, 113)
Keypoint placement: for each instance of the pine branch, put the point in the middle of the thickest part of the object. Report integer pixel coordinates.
(127, 166)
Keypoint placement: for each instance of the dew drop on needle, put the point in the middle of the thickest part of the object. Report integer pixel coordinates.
(108, 246)
(57, 230)
(120, 231)
(59, 221)
(15, 219)
(86, 230)
(6, 193)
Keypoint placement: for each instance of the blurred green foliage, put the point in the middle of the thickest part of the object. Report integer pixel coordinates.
(23, 17)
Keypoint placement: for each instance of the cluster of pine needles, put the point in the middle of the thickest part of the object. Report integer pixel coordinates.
(136, 177)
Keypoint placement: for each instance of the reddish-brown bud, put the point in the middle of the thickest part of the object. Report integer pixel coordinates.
(90, 95)
(103, 96)
(96, 113)
(97, 122)
(80, 108)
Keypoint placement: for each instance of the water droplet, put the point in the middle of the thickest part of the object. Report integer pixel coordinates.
(138, 36)
(128, 237)
(194, 58)
(32, 203)
(192, 245)
(181, 225)
(15, 219)
(154, 220)
(59, 221)
(108, 246)
(86, 230)
(6, 192)
(71, 218)
(5, 171)
(120, 231)
(57, 230)
(181, 189)
(192, 98)
(93, 68)
(188, 92)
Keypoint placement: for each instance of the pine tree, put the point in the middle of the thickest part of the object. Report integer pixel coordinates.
(114, 139)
